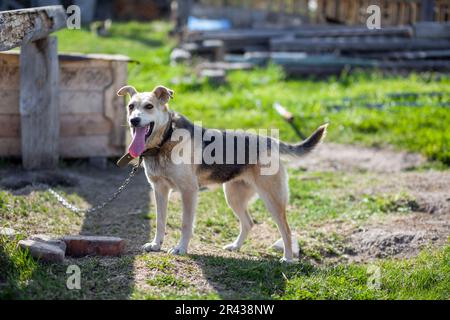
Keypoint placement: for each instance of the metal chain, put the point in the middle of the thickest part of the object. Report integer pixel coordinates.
(63, 201)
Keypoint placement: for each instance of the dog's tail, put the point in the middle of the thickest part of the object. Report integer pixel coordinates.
(304, 147)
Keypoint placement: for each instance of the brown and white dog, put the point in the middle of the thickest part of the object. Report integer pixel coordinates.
(154, 127)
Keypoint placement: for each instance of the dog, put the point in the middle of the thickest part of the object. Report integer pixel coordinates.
(153, 128)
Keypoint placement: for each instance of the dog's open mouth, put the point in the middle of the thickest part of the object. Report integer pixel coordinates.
(140, 136)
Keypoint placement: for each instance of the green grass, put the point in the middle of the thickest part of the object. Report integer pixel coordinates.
(246, 101)
(425, 277)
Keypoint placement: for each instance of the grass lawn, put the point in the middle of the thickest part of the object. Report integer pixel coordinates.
(318, 200)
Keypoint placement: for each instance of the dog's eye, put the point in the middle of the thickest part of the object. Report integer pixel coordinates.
(131, 106)
(148, 106)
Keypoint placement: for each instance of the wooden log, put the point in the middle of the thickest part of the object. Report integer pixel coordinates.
(18, 27)
(409, 55)
(237, 39)
(39, 103)
(432, 30)
(225, 66)
(401, 31)
(357, 44)
(417, 65)
(427, 10)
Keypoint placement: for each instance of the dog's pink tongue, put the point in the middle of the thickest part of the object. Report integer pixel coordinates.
(137, 146)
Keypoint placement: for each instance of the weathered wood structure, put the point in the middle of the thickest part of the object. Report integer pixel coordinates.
(326, 39)
(54, 105)
(39, 104)
(91, 116)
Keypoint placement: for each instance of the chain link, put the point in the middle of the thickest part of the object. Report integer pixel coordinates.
(63, 201)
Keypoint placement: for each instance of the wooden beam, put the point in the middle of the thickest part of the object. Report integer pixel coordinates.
(427, 10)
(363, 44)
(39, 104)
(18, 27)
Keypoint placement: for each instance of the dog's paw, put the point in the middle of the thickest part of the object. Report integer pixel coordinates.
(232, 247)
(151, 246)
(287, 261)
(177, 250)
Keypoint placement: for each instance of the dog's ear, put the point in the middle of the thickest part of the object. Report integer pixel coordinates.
(163, 94)
(130, 90)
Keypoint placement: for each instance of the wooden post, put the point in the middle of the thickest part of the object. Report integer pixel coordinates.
(39, 104)
(427, 10)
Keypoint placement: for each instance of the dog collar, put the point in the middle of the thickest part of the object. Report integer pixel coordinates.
(151, 152)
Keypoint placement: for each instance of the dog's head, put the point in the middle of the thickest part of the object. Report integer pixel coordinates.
(147, 115)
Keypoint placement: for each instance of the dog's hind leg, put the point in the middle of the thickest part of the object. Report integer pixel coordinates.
(273, 190)
(238, 195)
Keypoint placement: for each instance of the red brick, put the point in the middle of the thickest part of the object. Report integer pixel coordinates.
(79, 246)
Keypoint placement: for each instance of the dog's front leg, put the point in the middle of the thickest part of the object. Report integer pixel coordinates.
(161, 197)
(189, 199)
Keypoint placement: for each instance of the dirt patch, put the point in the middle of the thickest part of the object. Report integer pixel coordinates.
(399, 236)
(338, 157)
(405, 235)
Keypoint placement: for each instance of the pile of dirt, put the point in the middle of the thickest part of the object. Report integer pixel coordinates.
(379, 243)
(399, 236)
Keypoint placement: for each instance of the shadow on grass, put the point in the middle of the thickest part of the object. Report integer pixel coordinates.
(235, 278)
(101, 277)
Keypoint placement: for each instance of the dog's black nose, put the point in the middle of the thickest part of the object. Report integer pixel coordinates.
(135, 122)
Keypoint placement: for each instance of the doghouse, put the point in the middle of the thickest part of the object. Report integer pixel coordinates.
(91, 117)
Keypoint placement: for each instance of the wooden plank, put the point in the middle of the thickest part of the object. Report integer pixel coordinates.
(84, 125)
(70, 125)
(9, 126)
(10, 147)
(432, 30)
(70, 147)
(401, 31)
(114, 109)
(427, 10)
(81, 101)
(9, 102)
(39, 103)
(71, 101)
(91, 146)
(410, 55)
(18, 27)
(357, 44)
